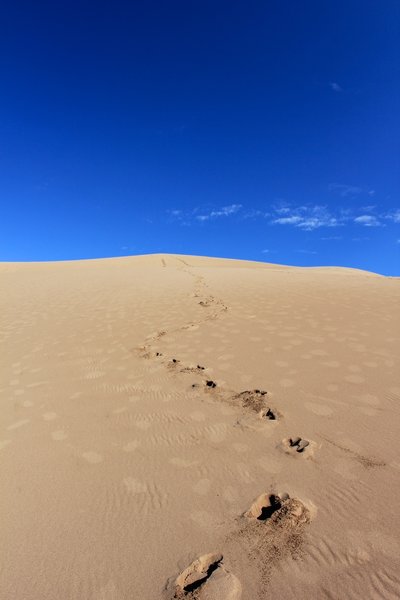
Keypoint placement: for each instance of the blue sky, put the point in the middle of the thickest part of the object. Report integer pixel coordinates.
(257, 130)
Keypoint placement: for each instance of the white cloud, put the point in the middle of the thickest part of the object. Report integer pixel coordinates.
(394, 216)
(306, 217)
(344, 190)
(293, 220)
(225, 211)
(367, 221)
(335, 87)
(202, 214)
(282, 210)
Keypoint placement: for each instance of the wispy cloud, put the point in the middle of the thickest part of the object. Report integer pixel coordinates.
(351, 191)
(393, 215)
(367, 221)
(293, 220)
(335, 86)
(311, 217)
(225, 211)
(255, 214)
(305, 217)
(202, 214)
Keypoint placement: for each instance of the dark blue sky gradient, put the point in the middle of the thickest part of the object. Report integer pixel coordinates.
(257, 130)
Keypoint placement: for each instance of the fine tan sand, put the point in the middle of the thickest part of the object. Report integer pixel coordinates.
(126, 474)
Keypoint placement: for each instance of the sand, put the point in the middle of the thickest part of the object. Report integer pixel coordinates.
(127, 474)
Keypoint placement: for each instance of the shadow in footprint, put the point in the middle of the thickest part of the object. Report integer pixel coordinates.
(299, 444)
(196, 574)
(196, 584)
(210, 383)
(279, 509)
(275, 504)
(266, 505)
(268, 414)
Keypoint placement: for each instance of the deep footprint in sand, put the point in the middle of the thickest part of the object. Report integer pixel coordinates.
(297, 445)
(210, 384)
(269, 414)
(207, 579)
(279, 509)
(194, 576)
(265, 505)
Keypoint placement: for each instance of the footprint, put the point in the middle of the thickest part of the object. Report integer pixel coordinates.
(280, 510)
(210, 384)
(269, 414)
(296, 444)
(207, 302)
(196, 369)
(253, 399)
(196, 574)
(265, 506)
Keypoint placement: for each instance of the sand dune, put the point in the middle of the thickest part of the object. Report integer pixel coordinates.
(186, 427)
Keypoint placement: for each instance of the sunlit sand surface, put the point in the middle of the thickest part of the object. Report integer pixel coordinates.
(186, 427)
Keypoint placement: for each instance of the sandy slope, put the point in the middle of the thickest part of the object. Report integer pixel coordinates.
(117, 473)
